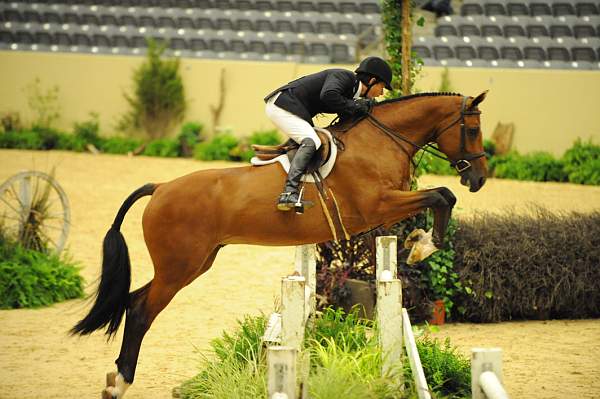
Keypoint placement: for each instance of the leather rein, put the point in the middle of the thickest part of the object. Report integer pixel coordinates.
(462, 164)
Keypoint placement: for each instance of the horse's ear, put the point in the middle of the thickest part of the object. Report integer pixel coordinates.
(477, 100)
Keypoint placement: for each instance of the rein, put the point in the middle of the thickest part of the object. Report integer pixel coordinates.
(461, 164)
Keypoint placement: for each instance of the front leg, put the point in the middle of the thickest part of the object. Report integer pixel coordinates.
(398, 205)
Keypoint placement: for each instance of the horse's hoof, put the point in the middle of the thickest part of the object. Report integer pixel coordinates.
(111, 379)
(420, 251)
(415, 236)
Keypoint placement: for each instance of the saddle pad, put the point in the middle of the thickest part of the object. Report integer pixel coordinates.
(283, 160)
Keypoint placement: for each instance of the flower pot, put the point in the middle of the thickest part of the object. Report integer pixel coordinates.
(438, 314)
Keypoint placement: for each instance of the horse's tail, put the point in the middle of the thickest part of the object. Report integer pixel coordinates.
(112, 297)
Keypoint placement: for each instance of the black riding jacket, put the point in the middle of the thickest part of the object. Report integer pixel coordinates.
(330, 91)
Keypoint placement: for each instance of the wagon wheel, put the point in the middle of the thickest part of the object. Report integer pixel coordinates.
(34, 210)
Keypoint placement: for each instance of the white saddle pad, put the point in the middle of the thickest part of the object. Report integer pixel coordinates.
(285, 162)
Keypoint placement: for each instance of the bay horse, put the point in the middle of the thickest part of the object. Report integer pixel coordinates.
(189, 219)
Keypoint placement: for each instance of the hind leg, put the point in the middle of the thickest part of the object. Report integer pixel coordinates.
(145, 304)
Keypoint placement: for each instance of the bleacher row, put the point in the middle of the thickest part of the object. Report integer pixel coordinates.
(490, 33)
(320, 6)
(251, 34)
(561, 34)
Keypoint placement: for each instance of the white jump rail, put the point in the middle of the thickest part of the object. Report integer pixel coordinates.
(486, 374)
(414, 358)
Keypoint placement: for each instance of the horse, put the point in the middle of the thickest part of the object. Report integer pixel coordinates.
(190, 218)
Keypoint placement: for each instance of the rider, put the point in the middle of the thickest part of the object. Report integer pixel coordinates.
(292, 107)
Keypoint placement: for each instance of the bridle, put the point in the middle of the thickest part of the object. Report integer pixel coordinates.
(463, 163)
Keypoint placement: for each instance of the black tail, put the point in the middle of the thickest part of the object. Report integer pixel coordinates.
(112, 297)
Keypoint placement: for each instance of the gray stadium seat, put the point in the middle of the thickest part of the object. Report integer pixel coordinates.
(284, 25)
(491, 30)
(558, 53)
(511, 52)
(369, 7)
(445, 30)
(584, 31)
(329, 27)
(468, 30)
(562, 8)
(537, 31)
(514, 31)
(539, 8)
(327, 6)
(465, 52)
(587, 8)
(560, 31)
(34, 16)
(471, 9)
(583, 54)
(515, 8)
(285, 5)
(298, 48)
(532, 52)
(494, 8)
(340, 53)
(306, 6)
(304, 26)
(348, 7)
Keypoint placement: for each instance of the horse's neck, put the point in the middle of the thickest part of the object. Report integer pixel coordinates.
(373, 150)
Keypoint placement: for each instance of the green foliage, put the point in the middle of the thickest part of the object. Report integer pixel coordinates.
(22, 140)
(429, 164)
(391, 14)
(162, 148)
(346, 364)
(538, 166)
(43, 104)
(489, 147)
(447, 372)
(582, 163)
(89, 131)
(189, 136)
(221, 147)
(119, 145)
(10, 121)
(348, 330)
(158, 102)
(30, 278)
(267, 137)
(445, 84)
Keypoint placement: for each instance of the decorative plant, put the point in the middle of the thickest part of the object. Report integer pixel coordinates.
(43, 103)
(158, 102)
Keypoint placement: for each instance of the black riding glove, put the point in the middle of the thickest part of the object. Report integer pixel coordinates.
(363, 105)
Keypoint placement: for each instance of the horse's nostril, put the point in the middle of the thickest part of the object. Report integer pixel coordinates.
(481, 181)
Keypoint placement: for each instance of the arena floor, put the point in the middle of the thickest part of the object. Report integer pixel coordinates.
(542, 359)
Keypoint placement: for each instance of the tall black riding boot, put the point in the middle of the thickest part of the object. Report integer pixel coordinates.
(290, 194)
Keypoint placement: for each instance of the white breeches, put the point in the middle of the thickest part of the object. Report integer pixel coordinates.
(295, 127)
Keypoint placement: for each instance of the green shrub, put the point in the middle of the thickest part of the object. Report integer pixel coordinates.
(88, 131)
(538, 166)
(582, 163)
(489, 147)
(158, 102)
(344, 365)
(23, 140)
(30, 278)
(162, 148)
(433, 165)
(119, 145)
(189, 136)
(448, 373)
(48, 136)
(267, 137)
(71, 142)
(537, 265)
(219, 148)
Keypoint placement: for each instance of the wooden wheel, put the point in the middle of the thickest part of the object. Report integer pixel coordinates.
(34, 210)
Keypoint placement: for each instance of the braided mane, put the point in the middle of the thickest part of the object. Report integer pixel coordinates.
(410, 97)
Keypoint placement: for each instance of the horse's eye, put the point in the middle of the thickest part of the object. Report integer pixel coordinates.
(473, 131)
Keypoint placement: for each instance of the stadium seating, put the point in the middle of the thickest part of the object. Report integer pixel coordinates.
(490, 33)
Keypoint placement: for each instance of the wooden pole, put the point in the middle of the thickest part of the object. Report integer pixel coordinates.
(406, 47)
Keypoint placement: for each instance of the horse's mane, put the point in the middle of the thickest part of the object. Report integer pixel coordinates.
(345, 124)
(411, 96)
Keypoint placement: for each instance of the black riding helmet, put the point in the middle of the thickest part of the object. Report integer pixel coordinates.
(378, 68)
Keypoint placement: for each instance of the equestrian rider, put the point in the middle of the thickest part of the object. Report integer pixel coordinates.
(292, 107)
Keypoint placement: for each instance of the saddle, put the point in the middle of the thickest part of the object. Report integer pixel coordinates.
(268, 152)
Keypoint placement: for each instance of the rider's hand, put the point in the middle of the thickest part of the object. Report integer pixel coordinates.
(363, 105)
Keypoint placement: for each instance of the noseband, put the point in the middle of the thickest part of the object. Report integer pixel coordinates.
(463, 163)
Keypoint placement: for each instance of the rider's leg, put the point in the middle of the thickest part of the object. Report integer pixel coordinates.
(304, 134)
